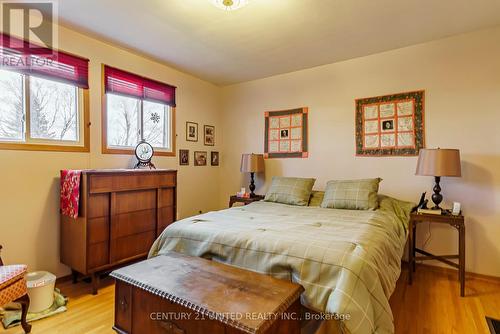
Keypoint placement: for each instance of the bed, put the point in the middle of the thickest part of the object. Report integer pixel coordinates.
(348, 261)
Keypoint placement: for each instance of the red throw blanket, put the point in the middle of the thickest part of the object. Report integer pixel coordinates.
(70, 192)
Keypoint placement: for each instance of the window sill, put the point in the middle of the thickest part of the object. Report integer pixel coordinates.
(107, 150)
(42, 147)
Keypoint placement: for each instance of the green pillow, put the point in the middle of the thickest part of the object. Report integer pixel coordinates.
(352, 194)
(290, 190)
(316, 198)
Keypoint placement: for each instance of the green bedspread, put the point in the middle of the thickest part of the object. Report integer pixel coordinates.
(347, 261)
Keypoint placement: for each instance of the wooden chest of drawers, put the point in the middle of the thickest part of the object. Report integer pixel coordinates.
(121, 214)
(179, 294)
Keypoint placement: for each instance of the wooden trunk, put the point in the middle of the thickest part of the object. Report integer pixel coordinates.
(179, 294)
(121, 213)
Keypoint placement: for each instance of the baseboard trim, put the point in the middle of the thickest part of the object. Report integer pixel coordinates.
(453, 271)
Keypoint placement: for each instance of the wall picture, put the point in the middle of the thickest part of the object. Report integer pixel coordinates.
(286, 134)
(214, 158)
(390, 125)
(191, 131)
(184, 157)
(209, 134)
(200, 158)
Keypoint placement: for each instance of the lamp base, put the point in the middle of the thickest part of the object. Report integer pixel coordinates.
(437, 198)
(252, 185)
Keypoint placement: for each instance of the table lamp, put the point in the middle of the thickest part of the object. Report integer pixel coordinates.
(252, 163)
(438, 162)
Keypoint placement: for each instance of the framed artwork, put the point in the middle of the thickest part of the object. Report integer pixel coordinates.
(191, 131)
(286, 134)
(390, 125)
(200, 158)
(214, 158)
(209, 135)
(184, 157)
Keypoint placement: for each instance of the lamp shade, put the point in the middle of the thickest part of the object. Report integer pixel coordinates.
(439, 162)
(252, 163)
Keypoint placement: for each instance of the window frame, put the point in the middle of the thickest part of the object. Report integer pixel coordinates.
(106, 149)
(33, 144)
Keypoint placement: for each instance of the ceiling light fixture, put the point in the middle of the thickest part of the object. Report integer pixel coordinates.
(229, 5)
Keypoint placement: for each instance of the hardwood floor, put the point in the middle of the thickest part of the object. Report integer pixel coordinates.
(431, 305)
(86, 313)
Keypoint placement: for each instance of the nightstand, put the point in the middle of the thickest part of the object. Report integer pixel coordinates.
(235, 199)
(458, 222)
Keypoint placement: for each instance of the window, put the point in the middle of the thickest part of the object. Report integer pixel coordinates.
(42, 103)
(38, 111)
(12, 115)
(137, 109)
(54, 110)
(129, 117)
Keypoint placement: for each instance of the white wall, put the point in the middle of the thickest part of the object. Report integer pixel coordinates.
(461, 76)
(29, 181)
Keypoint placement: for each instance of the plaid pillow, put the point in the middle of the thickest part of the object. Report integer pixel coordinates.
(290, 190)
(352, 194)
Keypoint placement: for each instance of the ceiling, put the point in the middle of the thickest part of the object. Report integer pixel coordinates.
(270, 37)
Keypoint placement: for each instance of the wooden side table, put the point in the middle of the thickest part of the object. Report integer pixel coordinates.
(457, 222)
(235, 199)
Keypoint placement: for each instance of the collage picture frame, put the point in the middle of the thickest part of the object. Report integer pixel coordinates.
(390, 125)
(286, 133)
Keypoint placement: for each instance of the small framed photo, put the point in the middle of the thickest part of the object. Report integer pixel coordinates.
(184, 157)
(388, 125)
(200, 158)
(214, 158)
(209, 134)
(191, 131)
(284, 134)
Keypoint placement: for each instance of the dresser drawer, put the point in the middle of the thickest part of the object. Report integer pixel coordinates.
(167, 197)
(98, 230)
(98, 255)
(102, 183)
(98, 205)
(166, 218)
(133, 223)
(132, 201)
(131, 246)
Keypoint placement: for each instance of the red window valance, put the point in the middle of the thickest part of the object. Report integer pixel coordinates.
(128, 84)
(22, 56)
